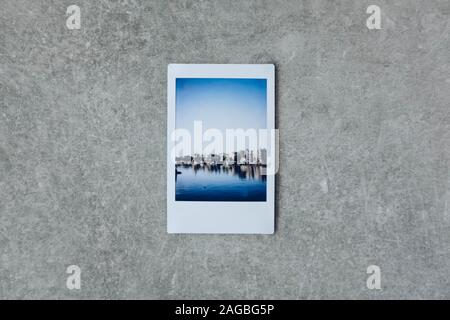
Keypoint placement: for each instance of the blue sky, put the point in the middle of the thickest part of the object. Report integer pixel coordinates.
(221, 103)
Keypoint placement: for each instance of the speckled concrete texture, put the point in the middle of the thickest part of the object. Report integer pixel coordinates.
(364, 149)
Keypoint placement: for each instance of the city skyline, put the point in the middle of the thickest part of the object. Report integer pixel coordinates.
(238, 157)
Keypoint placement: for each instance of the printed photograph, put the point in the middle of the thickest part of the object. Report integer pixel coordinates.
(231, 112)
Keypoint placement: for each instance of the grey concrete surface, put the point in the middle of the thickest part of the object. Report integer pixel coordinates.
(364, 139)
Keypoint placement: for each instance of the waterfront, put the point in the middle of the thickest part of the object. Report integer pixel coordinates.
(220, 182)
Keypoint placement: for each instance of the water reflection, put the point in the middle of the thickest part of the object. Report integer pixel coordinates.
(248, 171)
(219, 182)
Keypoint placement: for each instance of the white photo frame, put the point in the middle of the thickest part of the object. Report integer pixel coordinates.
(224, 217)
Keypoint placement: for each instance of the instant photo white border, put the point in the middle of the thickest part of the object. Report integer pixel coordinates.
(219, 216)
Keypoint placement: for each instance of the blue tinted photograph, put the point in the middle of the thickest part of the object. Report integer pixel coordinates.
(217, 105)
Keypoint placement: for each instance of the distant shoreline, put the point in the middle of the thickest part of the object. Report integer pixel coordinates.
(219, 164)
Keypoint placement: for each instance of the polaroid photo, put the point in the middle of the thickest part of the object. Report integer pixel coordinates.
(221, 148)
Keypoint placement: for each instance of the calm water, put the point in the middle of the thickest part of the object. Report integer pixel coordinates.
(220, 183)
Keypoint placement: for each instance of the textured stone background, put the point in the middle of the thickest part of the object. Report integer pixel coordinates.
(365, 133)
